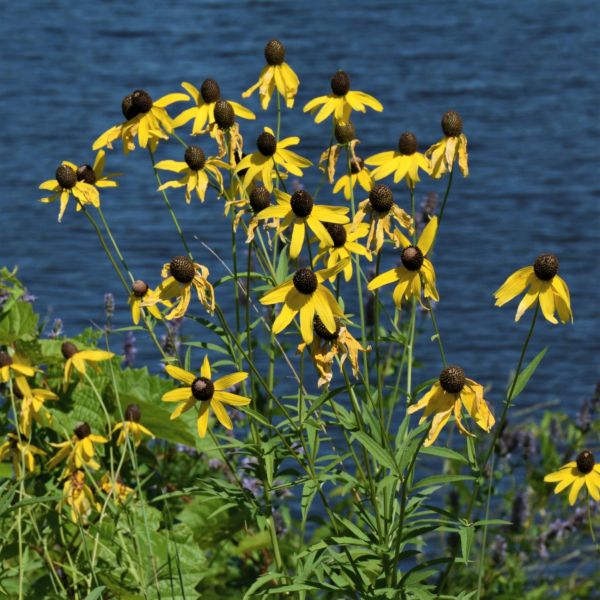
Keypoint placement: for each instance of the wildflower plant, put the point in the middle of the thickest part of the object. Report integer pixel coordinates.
(287, 461)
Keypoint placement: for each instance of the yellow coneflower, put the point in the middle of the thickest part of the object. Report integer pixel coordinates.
(94, 175)
(78, 358)
(342, 101)
(447, 396)
(256, 201)
(404, 162)
(452, 145)
(305, 293)
(545, 286)
(15, 367)
(345, 135)
(179, 276)
(21, 452)
(78, 496)
(416, 272)
(131, 426)
(299, 211)
(32, 405)
(277, 73)
(139, 293)
(78, 450)
(205, 393)
(581, 471)
(119, 491)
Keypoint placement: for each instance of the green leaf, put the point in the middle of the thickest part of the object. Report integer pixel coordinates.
(96, 593)
(440, 480)
(444, 453)
(377, 451)
(526, 374)
(19, 323)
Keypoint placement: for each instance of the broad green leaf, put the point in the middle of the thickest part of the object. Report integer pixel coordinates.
(444, 453)
(19, 323)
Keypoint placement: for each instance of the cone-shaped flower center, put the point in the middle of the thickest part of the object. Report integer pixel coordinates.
(66, 177)
(356, 165)
(139, 288)
(585, 462)
(266, 143)
(344, 133)
(340, 83)
(452, 124)
(82, 430)
(302, 203)
(127, 107)
(260, 198)
(203, 389)
(545, 266)
(337, 232)
(86, 173)
(305, 281)
(182, 268)
(210, 91)
(323, 332)
(141, 101)
(381, 198)
(274, 53)
(407, 144)
(452, 379)
(224, 115)
(412, 258)
(133, 413)
(5, 359)
(68, 349)
(195, 158)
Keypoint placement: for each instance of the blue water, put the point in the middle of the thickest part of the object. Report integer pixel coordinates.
(522, 74)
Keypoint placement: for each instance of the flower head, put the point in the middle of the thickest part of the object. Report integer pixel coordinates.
(447, 396)
(452, 145)
(575, 473)
(78, 450)
(404, 162)
(21, 452)
(345, 244)
(145, 118)
(270, 155)
(78, 495)
(180, 275)
(78, 358)
(119, 491)
(276, 74)
(32, 407)
(544, 285)
(131, 426)
(195, 171)
(204, 393)
(416, 272)
(207, 98)
(358, 174)
(67, 184)
(15, 367)
(305, 293)
(382, 211)
(300, 212)
(326, 345)
(139, 293)
(342, 101)
(94, 175)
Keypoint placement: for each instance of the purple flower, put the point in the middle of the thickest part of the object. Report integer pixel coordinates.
(129, 349)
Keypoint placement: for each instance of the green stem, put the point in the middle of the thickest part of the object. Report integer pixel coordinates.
(441, 215)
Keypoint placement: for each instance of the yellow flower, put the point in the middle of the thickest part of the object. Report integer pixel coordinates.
(32, 406)
(358, 173)
(300, 211)
(344, 245)
(305, 293)
(404, 162)
(15, 367)
(447, 396)
(204, 112)
(326, 346)
(21, 452)
(77, 358)
(206, 392)
(270, 155)
(146, 119)
(342, 101)
(453, 144)
(416, 271)
(67, 184)
(95, 175)
(78, 495)
(131, 425)
(544, 285)
(195, 170)
(382, 210)
(575, 474)
(79, 450)
(179, 276)
(139, 293)
(276, 73)
(255, 202)
(119, 491)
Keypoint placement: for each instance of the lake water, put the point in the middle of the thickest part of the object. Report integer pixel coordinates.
(522, 74)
